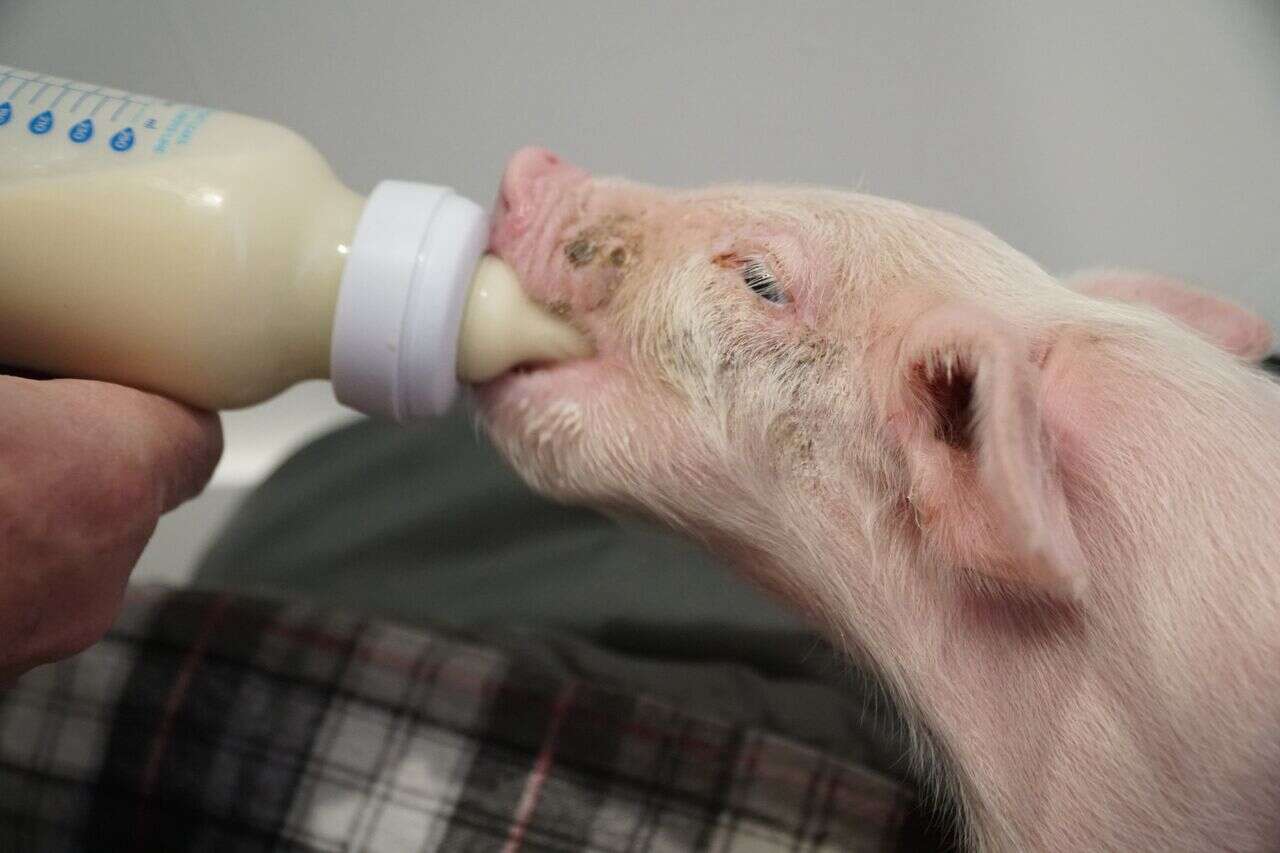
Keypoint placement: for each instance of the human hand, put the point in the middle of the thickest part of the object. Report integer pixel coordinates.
(86, 471)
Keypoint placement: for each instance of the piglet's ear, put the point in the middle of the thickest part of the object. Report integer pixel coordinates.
(965, 405)
(1237, 330)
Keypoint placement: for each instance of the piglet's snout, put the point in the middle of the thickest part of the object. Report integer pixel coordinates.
(534, 180)
(525, 171)
(539, 193)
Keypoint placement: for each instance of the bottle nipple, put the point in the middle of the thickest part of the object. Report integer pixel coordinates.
(502, 327)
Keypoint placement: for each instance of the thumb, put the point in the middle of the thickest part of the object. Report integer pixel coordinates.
(189, 448)
(176, 445)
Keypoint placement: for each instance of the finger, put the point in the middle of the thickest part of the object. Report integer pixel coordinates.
(184, 445)
(178, 445)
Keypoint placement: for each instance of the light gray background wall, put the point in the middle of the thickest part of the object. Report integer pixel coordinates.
(1144, 133)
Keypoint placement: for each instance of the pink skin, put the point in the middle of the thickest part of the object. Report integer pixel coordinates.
(1044, 515)
(86, 471)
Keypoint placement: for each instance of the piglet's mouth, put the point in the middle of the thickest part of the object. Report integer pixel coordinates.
(503, 328)
(530, 368)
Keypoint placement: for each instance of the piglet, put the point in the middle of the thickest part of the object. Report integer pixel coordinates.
(1047, 514)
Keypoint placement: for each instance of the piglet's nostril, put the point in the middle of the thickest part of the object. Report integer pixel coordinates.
(580, 252)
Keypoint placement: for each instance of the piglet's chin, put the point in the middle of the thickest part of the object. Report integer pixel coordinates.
(539, 419)
(537, 403)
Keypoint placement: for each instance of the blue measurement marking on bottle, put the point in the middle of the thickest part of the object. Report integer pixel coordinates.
(6, 113)
(123, 140)
(82, 131)
(41, 124)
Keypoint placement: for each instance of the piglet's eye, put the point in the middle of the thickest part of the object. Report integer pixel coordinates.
(763, 283)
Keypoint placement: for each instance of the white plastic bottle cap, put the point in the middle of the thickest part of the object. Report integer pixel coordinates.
(395, 331)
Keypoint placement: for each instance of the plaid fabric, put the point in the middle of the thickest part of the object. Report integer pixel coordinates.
(208, 722)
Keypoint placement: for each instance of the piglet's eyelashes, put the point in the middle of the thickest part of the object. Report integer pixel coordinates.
(758, 276)
(763, 283)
